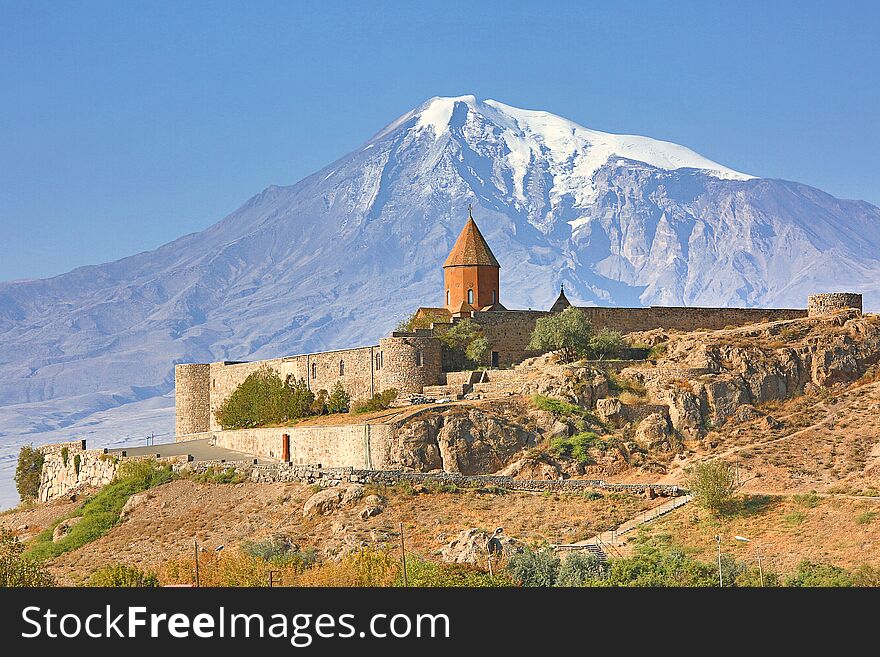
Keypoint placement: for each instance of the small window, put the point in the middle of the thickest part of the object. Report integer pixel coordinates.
(493, 297)
(314, 370)
(447, 297)
(418, 357)
(342, 368)
(379, 361)
(470, 296)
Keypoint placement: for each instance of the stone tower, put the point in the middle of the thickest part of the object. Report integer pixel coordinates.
(470, 273)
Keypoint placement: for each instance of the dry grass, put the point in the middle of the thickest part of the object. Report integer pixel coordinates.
(164, 527)
(835, 530)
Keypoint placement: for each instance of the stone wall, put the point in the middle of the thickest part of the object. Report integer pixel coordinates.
(354, 368)
(822, 304)
(70, 466)
(314, 474)
(350, 445)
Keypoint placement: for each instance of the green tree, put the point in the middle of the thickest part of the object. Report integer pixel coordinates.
(820, 574)
(119, 575)
(263, 398)
(28, 472)
(340, 401)
(16, 569)
(713, 484)
(568, 333)
(319, 405)
(415, 321)
(606, 343)
(534, 568)
(378, 402)
(477, 350)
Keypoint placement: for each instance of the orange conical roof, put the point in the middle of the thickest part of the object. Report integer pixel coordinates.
(470, 248)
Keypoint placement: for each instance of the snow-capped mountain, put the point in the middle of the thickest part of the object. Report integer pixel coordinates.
(338, 258)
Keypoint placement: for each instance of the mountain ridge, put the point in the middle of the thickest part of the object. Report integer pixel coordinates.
(336, 259)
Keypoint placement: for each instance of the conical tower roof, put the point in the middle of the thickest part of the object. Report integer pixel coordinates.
(471, 248)
(561, 302)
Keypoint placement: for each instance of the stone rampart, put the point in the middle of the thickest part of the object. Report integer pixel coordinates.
(822, 304)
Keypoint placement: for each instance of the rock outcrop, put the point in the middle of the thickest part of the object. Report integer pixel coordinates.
(473, 546)
(326, 501)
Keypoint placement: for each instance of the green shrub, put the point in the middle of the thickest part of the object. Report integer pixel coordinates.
(534, 568)
(424, 573)
(866, 518)
(809, 500)
(101, 512)
(563, 409)
(28, 472)
(339, 401)
(568, 333)
(218, 475)
(122, 576)
(581, 568)
(65, 455)
(280, 552)
(319, 404)
(713, 484)
(819, 574)
(16, 570)
(658, 351)
(576, 447)
(378, 402)
(77, 462)
(263, 398)
(606, 343)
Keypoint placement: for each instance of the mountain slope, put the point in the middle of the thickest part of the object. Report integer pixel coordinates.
(336, 259)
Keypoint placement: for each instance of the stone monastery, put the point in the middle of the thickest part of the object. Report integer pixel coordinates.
(412, 362)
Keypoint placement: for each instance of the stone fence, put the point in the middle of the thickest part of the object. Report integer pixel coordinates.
(313, 474)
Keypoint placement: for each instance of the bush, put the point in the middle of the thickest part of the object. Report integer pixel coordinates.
(568, 333)
(119, 575)
(366, 567)
(263, 398)
(16, 570)
(819, 574)
(28, 472)
(563, 409)
(378, 402)
(415, 321)
(579, 569)
(713, 484)
(424, 573)
(576, 447)
(606, 343)
(534, 568)
(101, 512)
(280, 552)
(339, 401)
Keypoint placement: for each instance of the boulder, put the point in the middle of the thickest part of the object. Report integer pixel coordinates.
(653, 432)
(472, 546)
(62, 529)
(326, 501)
(131, 504)
(373, 506)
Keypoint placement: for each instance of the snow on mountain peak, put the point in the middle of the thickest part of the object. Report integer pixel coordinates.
(580, 150)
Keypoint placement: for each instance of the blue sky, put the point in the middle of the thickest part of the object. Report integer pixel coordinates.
(124, 125)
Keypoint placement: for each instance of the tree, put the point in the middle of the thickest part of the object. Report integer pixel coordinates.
(605, 343)
(415, 321)
(17, 570)
(28, 472)
(713, 484)
(478, 348)
(263, 398)
(340, 401)
(568, 333)
(319, 405)
(457, 343)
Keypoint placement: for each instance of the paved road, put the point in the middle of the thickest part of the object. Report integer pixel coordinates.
(200, 450)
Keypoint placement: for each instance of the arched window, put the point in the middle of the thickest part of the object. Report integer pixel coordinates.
(342, 368)
(493, 297)
(447, 297)
(470, 296)
(418, 357)
(314, 370)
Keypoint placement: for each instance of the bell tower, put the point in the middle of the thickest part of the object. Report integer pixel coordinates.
(470, 273)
